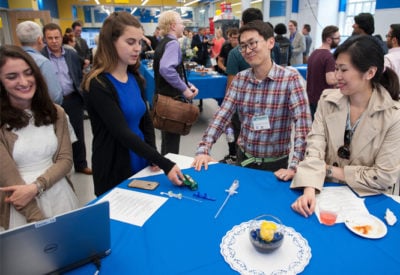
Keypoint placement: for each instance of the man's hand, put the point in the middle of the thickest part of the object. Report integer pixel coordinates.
(285, 174)
(191, 92)
(201, 160)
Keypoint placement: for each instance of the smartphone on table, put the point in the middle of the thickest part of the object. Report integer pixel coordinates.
(143, 184)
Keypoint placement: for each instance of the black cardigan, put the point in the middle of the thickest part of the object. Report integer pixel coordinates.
(112, 138)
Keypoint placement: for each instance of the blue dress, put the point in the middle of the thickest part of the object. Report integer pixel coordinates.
(133, 109)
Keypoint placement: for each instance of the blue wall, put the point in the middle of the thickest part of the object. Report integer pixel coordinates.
(4, 4)
(387, 4)
(295, 6)
(342, 5)
(50, 5)
(277, 8)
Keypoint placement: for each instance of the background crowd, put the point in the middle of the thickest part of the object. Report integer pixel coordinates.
(345, 122)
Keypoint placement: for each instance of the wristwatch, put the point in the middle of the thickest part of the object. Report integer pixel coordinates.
(329, 171)
(40, 188)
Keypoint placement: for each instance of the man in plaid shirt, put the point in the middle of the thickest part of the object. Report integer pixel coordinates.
(269, 100)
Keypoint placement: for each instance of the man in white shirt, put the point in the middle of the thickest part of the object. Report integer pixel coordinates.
(392, 58)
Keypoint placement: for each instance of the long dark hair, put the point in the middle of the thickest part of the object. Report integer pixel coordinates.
(106, 58)
(43, 109)
(365, 52)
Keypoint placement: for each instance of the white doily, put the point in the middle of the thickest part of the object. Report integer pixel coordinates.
(291, 258)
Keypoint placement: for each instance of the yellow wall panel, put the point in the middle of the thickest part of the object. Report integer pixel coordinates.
(23, 4)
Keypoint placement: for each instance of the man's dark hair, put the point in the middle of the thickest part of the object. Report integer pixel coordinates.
(365, 21)
(307, 27)
(232, 31)
(76, 24)
(328, 31)
(51, 27)
(251, 14)
(395, 31)
(259, 26)
(280, 29)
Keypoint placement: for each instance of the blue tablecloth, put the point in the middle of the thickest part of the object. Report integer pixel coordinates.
(210, 86)
(302, 69)
(183, 237)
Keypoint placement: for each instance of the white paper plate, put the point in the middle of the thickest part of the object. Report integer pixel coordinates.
(367, 226)
(291, 258)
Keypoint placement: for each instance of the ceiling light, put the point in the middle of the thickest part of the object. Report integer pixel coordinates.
(191, 3)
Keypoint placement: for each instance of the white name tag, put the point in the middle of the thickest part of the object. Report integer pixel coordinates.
(260, 123)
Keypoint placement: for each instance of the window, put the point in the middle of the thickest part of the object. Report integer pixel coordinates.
(355, 7)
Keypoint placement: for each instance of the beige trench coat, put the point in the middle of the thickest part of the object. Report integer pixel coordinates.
(374, 164)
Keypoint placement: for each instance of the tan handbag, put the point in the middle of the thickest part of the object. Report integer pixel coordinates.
(173, 115)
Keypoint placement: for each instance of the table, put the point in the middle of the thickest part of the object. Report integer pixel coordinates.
(210, 86)
(302, 69)
(183, 237)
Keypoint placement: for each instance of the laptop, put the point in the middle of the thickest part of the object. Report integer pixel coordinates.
(58, 244)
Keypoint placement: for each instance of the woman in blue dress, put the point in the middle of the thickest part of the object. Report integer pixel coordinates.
(123, 133)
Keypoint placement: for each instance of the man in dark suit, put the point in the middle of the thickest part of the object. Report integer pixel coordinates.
(201, 42)
(68, 67)
(155, 38)
(81, 45)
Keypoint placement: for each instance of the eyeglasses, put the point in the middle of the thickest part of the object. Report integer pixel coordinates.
(335, 38)
(344, 150)
(251, 45)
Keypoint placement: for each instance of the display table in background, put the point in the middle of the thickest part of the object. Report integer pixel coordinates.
(183, 237)
(302, 69)
(209, 85)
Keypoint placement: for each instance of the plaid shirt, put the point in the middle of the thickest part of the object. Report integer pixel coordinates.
(281, 97)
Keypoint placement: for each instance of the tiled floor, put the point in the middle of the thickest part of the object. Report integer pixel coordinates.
(84, 184)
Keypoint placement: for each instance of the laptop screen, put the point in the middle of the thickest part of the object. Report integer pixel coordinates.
(57, 244)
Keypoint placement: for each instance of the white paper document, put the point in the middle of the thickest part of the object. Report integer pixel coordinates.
(349, 204)
(131, 206)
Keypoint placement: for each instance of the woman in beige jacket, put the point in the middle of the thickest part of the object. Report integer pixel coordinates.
(35, 146)
(355, 136)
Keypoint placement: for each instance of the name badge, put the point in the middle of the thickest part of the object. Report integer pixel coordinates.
(260, 123)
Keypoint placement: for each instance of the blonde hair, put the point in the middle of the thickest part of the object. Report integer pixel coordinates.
(166, 19)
